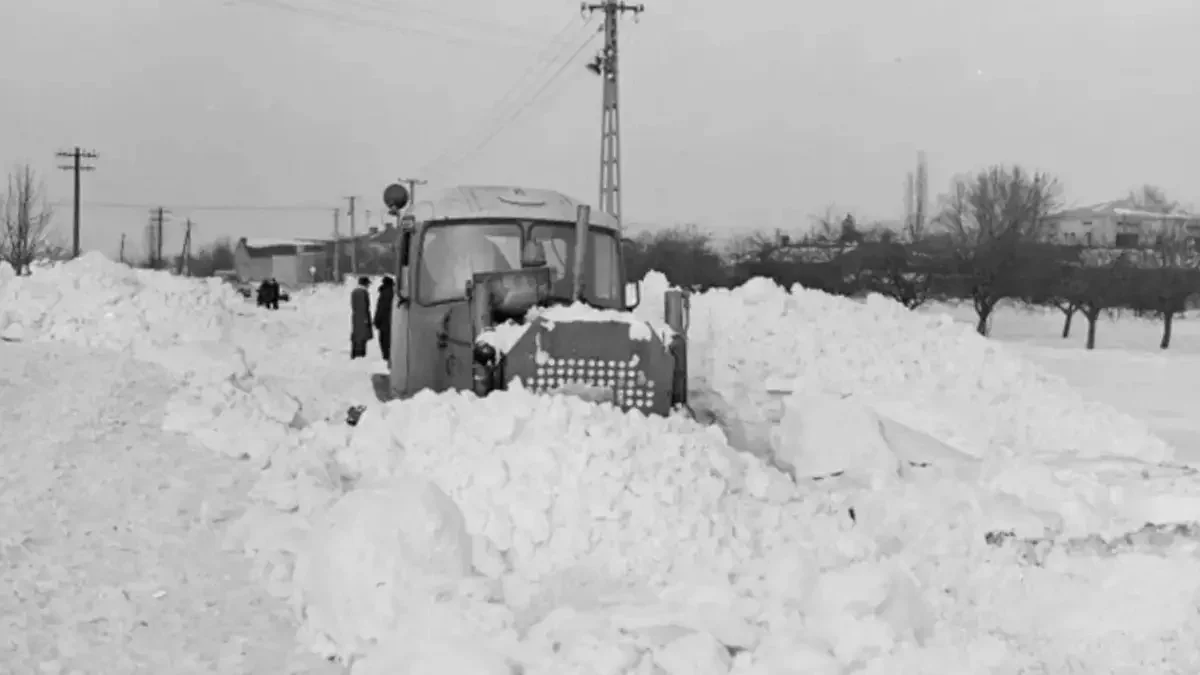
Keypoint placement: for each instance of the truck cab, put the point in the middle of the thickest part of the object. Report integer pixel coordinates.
(475, 261)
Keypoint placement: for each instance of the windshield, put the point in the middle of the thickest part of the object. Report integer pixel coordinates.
(452, 254)
(601, 280)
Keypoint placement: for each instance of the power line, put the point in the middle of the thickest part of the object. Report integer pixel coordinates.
(405, 11)
(205, 207)
(351, 20)
(545, 59)
(504, 123)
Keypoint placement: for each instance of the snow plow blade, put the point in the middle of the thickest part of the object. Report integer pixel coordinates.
(615, 361)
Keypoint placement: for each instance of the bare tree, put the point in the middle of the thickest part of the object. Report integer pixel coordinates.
(907, 272)
(992, 218)
(1168, 277)
(1170, 271)
(25, 217)
(1099, 286)
(1152, 198)
(686, 254)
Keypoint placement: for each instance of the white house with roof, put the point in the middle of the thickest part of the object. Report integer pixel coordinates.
(1119, 224)
(293, 262)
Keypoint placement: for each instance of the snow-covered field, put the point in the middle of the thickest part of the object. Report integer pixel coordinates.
(154, 428)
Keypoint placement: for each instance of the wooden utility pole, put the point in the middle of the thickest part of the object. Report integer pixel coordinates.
(605, 66)
(77, 167)
(155, 237)
(353, 238)
(185, 257)
(122, 254)
(337, 246)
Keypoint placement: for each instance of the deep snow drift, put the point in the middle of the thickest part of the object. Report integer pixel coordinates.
(451, 534)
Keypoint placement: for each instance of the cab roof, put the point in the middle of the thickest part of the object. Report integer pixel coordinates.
(479, 202)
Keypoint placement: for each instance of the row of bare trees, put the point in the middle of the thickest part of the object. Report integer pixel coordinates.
(988, 241)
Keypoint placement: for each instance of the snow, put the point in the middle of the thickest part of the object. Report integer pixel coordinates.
(271, 243)
(504, 337)
(846, 515)
(640, 328)
(927, 371)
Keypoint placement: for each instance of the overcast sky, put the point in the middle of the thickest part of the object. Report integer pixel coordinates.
(735, 115)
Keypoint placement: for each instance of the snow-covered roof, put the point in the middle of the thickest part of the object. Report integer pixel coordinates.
(264, 242)
(1121, 207)
(498, 201)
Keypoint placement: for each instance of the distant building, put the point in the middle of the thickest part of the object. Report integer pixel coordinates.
(1119, 224)
(293, 262)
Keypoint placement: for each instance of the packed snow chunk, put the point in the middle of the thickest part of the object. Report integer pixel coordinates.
(553, 481)
(988, 398)
(504, 336)
(442, 657)
(790, 654)
(639, 329)
(11, 332)
(375, 553)
(823, 435)
(864, 610)
(693, 654)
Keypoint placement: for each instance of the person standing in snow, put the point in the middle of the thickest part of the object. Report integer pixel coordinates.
(273, 293)
(264, 293)
(383, 317)
(360, 319)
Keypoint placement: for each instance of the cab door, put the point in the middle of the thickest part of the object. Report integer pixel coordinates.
(399, 374)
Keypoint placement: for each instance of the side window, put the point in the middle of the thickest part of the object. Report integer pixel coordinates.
(605, 277)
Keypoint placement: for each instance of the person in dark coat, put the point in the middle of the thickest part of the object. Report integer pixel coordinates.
(273, 293)
(383, 316)
(264, 293)
(360, 319)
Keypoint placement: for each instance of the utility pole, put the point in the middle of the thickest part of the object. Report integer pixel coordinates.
(122, 254)
(353, 240)
(337, 246)
(605, 65)
(77, 167)
(185, 256)
(157, 217)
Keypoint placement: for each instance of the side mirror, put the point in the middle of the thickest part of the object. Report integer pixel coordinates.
(633, 295)
(395, 198)
(533, 255)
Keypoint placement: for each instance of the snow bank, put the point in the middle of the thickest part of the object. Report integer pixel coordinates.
(177, 322)
(924, 370)
(611, 542)
(451, 534)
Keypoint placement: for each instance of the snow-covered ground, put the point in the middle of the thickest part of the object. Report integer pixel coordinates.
(1127, 370)
(150, 425)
